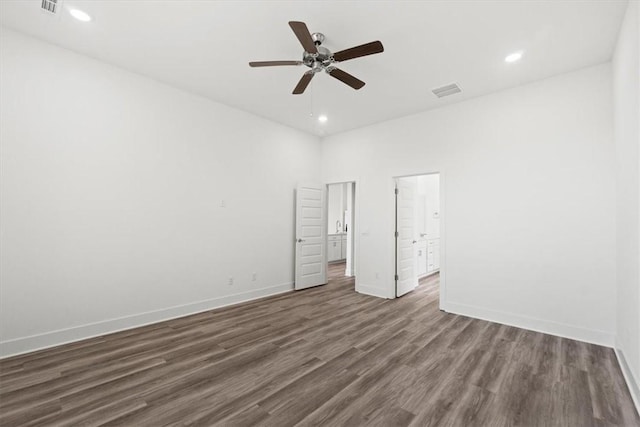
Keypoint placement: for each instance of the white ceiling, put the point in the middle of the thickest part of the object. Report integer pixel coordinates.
(204, 47)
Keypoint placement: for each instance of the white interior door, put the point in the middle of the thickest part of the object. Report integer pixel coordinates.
(350, 222)
(311, 254)
(406, 271)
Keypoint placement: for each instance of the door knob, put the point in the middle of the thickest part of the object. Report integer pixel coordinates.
(300, 240)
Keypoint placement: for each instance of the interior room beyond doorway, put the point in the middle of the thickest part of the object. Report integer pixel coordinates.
(340, 227)
(417, 230)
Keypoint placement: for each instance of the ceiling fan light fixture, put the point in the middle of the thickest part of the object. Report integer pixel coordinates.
(514, 57)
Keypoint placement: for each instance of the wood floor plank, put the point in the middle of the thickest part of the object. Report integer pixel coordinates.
(322, 356)
(494, 368)
(231, 409)
(354, 404)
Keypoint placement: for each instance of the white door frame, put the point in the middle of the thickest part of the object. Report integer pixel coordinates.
(443, 233)
(355, 228)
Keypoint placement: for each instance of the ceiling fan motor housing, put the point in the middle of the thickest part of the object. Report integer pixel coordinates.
(321, 60)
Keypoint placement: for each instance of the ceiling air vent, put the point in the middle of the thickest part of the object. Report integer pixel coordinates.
(50, 6)
(447, 90)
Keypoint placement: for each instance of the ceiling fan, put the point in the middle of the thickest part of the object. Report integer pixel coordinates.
(319, 58)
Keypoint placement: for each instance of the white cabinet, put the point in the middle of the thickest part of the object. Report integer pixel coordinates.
(428, 256)
(422, 257)
(433, 255)
(336, 247)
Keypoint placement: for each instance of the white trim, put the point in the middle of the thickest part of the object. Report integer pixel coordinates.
(430, 273)
(632, 384)
(391, 240)
(374, 291)
(76, 333)
(533, 324)
(443, 240)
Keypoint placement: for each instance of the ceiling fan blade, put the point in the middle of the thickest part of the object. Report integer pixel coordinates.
(304, 36)
(303, 83)
(273, 63)
(358, 51)
(346, 78)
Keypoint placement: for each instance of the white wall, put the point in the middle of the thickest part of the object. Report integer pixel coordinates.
(528, 229)
(626, 93)
(112, 186)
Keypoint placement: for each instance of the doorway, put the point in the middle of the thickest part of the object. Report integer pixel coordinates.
(417, 230)
(341, 198)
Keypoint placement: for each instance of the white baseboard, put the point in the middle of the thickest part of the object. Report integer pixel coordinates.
(632, 383)
(538, 325)
(64, 336)
(431, 273)
(372, 290)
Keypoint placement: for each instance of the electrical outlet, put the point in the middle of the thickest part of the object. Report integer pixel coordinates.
(254, 276)
(230, 283)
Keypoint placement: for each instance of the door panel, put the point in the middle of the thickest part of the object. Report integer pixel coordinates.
(310, 263)
(405, 241)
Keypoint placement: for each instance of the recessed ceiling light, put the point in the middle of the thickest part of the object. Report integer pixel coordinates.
(322, 118)
(80, 15)
(515, 56)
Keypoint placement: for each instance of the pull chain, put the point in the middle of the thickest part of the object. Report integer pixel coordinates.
(311, 100)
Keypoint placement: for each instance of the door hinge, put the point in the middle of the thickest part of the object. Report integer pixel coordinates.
(397, 191)
(396, 234)
(396, 277)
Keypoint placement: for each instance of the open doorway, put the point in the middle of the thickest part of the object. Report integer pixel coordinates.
(417, 230)
(341, 229)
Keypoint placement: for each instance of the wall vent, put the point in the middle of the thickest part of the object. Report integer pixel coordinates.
(50, 6)
(447, 90)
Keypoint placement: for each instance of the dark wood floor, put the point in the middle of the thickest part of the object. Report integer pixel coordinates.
(323, 356)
